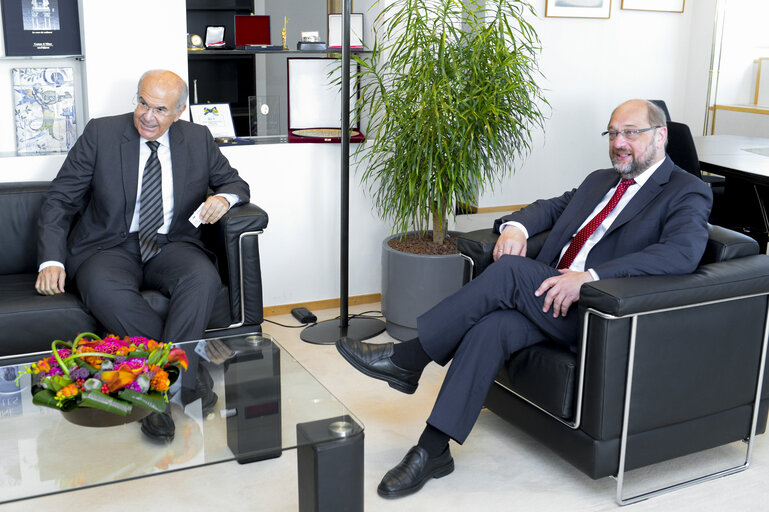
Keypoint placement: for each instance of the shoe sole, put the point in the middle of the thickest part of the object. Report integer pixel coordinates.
(393, 383)
(436, 473)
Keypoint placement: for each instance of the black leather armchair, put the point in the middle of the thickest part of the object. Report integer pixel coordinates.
(30, 322)
(666, 365)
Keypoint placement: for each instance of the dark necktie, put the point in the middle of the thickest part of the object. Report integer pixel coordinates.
(151, 207)
(583, 234)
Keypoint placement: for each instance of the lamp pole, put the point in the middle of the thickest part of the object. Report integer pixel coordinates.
(331, 331)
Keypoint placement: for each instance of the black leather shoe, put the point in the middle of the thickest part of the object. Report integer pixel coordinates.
(204, 389)
(159, 425)
(414, 471)
(374, 360)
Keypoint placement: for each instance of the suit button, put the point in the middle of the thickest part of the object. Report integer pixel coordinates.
(99, 248)
(122, 234)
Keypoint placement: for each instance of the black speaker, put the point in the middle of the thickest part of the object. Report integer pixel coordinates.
(252, 388)
(330, 465)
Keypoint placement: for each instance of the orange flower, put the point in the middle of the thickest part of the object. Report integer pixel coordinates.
(93, 361)
(67, 391)
(44, 365)
(178, 355)
(118, 379)
(160, 381)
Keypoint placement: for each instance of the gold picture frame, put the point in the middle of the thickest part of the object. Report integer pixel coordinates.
(654, 5)
(596, 9)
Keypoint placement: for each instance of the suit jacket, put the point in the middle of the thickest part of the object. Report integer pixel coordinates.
(99, 179)
(662, 230)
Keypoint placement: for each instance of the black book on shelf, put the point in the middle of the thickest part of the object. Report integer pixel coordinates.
(41, 28)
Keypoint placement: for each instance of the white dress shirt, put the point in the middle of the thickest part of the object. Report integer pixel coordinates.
(578, 264)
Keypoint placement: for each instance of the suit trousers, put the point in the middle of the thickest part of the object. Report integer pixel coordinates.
(479, 328)
(109, 283)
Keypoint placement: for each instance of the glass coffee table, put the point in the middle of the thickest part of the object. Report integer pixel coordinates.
(267, 403)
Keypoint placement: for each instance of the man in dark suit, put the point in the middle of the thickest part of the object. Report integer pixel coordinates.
(136, 179)
(103, 178)
(645, 216)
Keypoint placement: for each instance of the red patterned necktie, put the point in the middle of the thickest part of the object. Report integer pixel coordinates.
(583, 234)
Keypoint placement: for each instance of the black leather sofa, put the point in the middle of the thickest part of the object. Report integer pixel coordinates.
(692, 345)
(30, 322)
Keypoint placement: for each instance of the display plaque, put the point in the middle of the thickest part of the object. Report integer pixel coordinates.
(216, 116)
(264, 115)
(252, 30)
(315, 101)
(41, 27)
(335, 30)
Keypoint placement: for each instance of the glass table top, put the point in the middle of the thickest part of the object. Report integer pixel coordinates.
(267, 402)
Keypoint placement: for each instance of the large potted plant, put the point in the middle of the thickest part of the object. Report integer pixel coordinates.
(449, 89)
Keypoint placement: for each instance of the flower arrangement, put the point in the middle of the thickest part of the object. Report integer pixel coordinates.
(110, 374)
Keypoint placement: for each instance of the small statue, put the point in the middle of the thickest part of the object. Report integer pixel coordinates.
(283, 32)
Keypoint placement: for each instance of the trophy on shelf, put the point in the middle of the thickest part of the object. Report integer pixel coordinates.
(283, 32)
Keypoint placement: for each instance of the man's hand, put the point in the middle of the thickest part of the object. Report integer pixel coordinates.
(213, 209)
(50, 281)
(562, 291)
(511, 241)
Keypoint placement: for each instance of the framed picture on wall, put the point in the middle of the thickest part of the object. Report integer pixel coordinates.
(578, 9)
(654, 5)
(40, 27)
(44, 110)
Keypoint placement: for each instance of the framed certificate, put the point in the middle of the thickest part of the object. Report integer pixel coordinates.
(216, 116)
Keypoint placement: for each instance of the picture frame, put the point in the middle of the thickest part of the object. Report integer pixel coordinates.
(51, 28)
(44, 110)
(654, 5)
(596, 9)
(216, 116)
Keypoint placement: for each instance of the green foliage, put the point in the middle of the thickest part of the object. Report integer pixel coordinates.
(449, 88)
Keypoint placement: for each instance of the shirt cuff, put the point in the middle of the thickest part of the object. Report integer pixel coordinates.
(232, 199)
(50, 263)
(515, 225)
(592, 273)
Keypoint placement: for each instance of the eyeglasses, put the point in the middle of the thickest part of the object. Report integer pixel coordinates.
(156, 111)
(628, 134)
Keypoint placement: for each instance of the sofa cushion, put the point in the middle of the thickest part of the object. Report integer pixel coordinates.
(544, 374)
(19, 210)
(26, 316)
(29, 322)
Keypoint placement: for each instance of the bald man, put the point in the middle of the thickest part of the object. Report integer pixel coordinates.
(135, 179)
(643, 216)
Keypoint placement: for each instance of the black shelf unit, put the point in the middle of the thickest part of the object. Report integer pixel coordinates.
(217, 77)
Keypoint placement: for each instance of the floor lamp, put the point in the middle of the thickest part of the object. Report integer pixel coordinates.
(330, 331)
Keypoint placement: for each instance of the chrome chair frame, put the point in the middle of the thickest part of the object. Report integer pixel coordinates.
(577, 421)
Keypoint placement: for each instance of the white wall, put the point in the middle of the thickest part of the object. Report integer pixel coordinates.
(592, 65)
(589, 65)
(745, 39)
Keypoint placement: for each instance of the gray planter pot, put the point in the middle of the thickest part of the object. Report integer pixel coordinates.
(414, 283)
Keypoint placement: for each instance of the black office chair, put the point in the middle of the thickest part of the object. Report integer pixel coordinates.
(683, 152)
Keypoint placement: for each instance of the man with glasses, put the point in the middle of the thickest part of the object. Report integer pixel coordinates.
(135, 180)
(644, 216)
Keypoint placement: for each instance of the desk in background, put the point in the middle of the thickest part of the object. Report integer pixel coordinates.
(744, 162)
